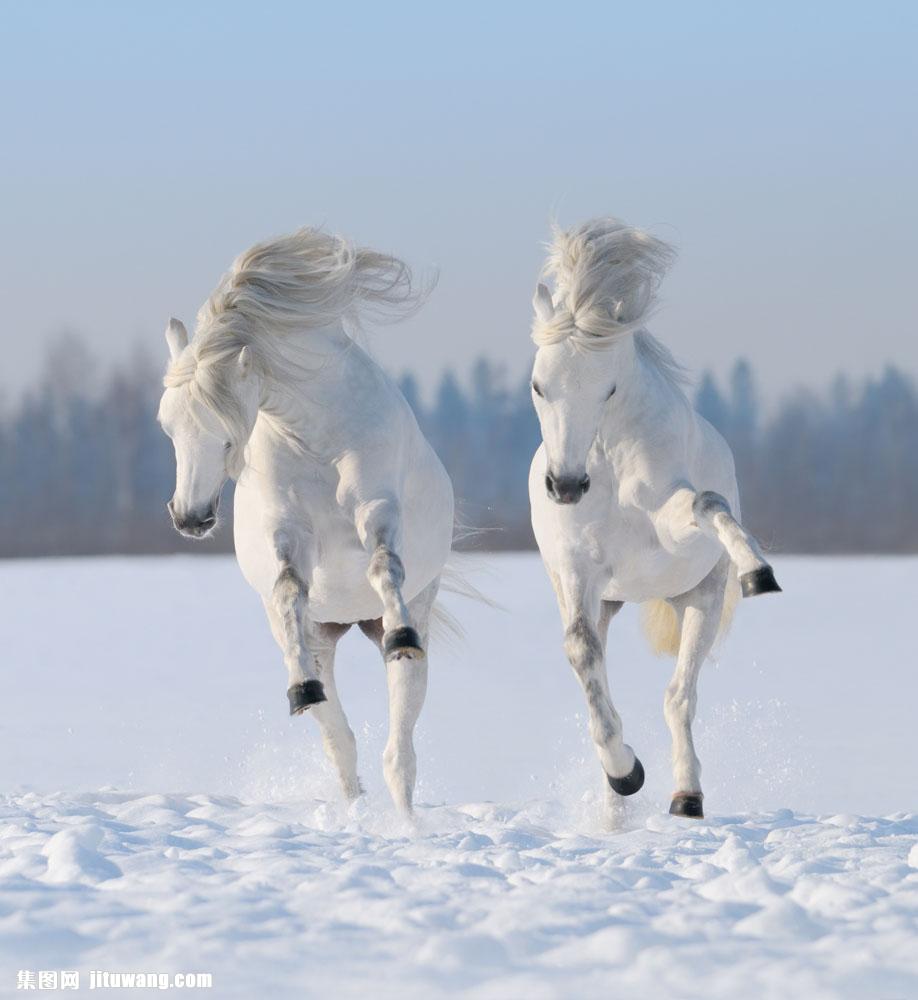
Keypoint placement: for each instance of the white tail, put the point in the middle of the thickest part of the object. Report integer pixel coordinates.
(661, 626)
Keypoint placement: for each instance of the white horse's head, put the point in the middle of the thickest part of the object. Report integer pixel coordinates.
(606, 274)
(208, 409)
(571, 389)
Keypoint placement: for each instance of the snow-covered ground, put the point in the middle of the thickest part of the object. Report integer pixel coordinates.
(162, 813)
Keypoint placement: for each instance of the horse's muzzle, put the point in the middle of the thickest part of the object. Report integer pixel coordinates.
(195, 524)
(566, 489)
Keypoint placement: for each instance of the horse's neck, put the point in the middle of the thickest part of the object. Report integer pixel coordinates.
(644, 397)
(304, 410)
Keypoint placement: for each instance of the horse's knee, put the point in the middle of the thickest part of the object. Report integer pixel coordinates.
(386, 566)
(288, 588)
(582, 645)
(707, 504)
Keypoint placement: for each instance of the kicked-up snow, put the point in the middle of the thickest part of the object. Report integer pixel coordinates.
(163, 814)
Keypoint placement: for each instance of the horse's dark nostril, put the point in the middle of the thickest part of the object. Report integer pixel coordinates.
(195, 525)
(566, 489)
(202, 522)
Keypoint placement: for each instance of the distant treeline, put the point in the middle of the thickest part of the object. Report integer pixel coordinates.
(84, 468)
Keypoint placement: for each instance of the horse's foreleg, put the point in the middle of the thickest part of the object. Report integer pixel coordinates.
(699, 611)
(379, 529)
(710, 513)
(288, 613)
(337, 736)
(584, 642)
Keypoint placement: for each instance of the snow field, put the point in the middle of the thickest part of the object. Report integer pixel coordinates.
(162, 813)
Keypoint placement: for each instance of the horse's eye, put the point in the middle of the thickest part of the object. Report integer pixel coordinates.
(612, 392)
(227, 446)
(537, 390)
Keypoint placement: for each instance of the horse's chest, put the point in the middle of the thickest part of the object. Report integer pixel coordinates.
(625, 545)
(626, 539)
(641, 568)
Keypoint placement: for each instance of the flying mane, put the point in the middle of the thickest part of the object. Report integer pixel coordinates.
(606, 275)
(306, 280)
(273, 295)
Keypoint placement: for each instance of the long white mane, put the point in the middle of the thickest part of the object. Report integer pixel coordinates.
(606, 275)
(273, 295)
(285, 287)
(305, 280)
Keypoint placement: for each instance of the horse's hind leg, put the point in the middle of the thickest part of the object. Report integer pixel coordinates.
(713, 516)
(378, 527)
(407, 683)
(337, 736)
(699, 611)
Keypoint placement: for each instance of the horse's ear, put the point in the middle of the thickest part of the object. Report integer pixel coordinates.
(244, 361)
(542, 303)
(176, 338)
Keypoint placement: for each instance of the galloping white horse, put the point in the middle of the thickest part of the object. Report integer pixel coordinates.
(633, 494)
(343, 513)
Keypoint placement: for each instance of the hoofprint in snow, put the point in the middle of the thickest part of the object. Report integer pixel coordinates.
(221, 844)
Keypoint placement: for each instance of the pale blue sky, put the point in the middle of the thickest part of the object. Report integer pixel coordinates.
(145, 144)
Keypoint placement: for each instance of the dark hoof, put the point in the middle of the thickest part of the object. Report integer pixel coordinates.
(402, 642)
(687, 804)
(631, 783)
(759, 581)
(301, 696)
